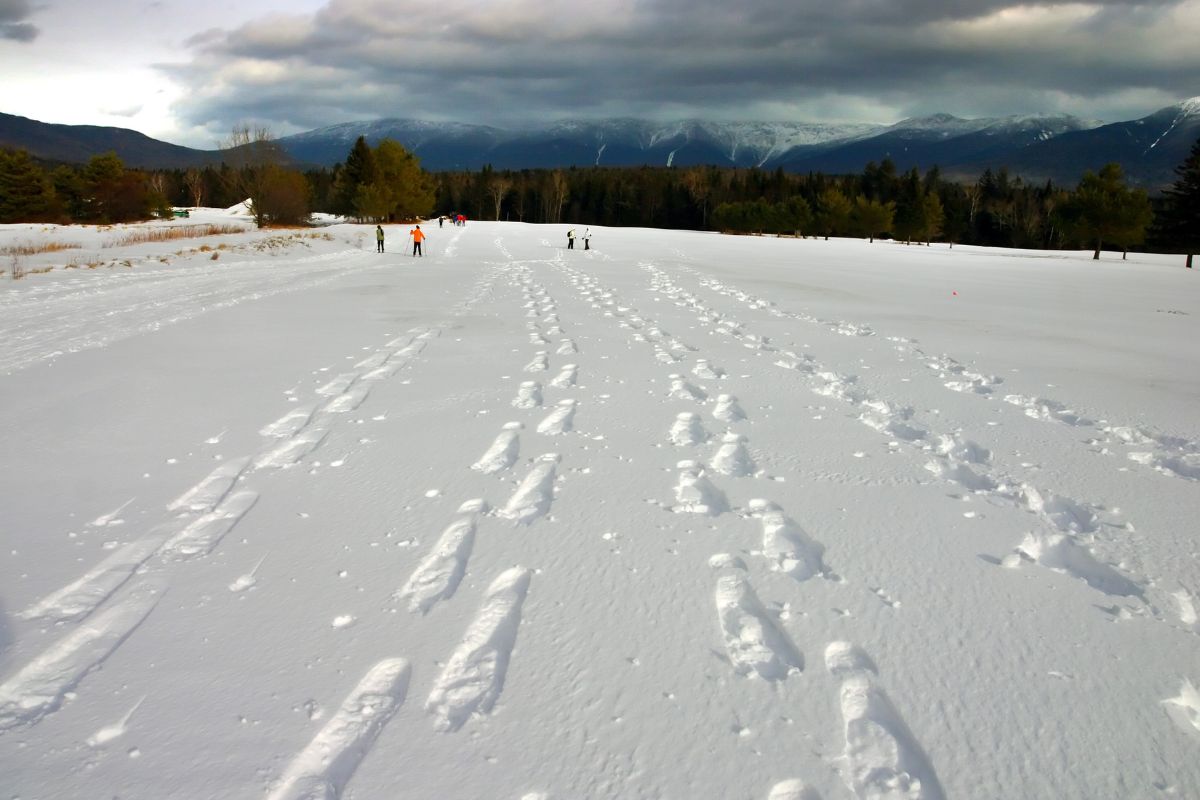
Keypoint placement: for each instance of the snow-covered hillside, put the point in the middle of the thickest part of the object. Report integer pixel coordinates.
(681, 516)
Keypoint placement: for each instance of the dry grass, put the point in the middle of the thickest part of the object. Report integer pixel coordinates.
(146, 235)
(33, 248)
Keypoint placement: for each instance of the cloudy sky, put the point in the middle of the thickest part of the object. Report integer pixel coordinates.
(188, 70)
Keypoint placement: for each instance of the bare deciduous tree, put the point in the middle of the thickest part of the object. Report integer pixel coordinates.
(497, 190)
(557, 196)
(193, 180)
(253, 156)
(158, 183)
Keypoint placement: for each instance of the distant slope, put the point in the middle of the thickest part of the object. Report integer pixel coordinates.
(1149, 148)
(616, 142)
(78, 143)
(940, 140)
(1046, 147)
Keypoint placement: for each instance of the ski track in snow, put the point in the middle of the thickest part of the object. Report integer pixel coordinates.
(322, 770)
(208, 493)
(754, 641)
(41, 686)
(203, 534)
(882, 758)
(873, 727)
(535, 493)
(81, 597)
(503, 452)
(36, 328)
(439, 574)
(1169, 455)
(473, 677)
(209, 510)
(794, 789)
(948, 456)
(787, 547)
(559, 421)
(529, 395)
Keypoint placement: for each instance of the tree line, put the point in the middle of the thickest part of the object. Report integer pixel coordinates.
(386, 183)
(997, 210)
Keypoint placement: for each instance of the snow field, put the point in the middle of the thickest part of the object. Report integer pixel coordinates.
(737, 547)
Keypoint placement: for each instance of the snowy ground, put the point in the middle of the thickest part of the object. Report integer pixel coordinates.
(684, 516)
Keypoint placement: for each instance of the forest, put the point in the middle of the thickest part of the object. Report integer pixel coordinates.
(386, 183)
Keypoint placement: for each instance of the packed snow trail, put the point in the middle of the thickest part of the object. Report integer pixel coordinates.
(512, 521)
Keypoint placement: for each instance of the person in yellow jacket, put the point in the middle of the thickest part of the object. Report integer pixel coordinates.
(379, 238)
(418, 236)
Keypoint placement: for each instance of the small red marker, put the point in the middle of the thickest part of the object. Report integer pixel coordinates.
(954, 293)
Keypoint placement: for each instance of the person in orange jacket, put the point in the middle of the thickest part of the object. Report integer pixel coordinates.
(417, 236)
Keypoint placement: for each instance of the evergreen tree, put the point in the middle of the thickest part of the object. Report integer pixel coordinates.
(26, 194)
(373, 202)
(68, 188)
(833, 212)
(399, 173)
(359, 171)
(113, 194)
(932, 216)
(1179, 224)
(1103, 209)
(909, 223)
(871, 217)
(795, 215)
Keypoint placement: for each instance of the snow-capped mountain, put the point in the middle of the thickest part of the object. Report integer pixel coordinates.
(612, 142)
(1149, 148)
(433, 142)
(958, 145)
(1036, 147)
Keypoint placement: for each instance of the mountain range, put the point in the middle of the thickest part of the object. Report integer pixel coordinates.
(1036, 147)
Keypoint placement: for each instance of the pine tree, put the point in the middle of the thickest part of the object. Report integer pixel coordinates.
(399, 173)
(871, 217)
(833, 212)
(932, 216)
(795, 216)
(1180, 219)
(360, 170)
(26, 194)
(1103, 209)
(909, 222)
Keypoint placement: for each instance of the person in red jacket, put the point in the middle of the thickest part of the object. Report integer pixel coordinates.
(417, 236)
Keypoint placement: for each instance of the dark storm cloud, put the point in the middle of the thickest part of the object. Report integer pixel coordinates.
(13, 26)
(510, 61)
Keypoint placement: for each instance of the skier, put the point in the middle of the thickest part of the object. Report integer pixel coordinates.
(441, 220)
(587, 238)
(571, 239)
(417, 236)
(379, 237)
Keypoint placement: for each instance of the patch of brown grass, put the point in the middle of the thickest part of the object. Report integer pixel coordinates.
(146, 235)
(33, 248)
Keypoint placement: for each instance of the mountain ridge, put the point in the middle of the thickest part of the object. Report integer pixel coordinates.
(1038, 147)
